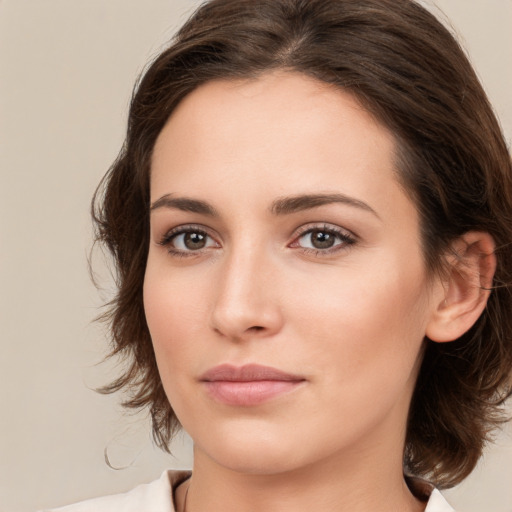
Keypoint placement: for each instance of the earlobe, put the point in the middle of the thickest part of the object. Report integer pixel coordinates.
(464, 294)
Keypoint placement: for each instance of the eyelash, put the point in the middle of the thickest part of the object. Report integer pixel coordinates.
(171, 235)
(345, 238)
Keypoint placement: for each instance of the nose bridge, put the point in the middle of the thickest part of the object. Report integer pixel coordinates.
(246, 301)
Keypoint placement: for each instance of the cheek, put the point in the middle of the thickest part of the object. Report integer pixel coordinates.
(358, 326)
(365, 326)
(173, 314)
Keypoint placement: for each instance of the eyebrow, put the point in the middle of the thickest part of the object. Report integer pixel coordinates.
(281, 206)
(287, 205)
(185, 204)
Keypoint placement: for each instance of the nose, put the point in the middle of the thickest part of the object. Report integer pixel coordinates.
(247, 299)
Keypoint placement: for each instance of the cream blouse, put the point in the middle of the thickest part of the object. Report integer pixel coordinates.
(157, 496)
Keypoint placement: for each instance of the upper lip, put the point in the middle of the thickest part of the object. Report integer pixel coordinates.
(247, 373)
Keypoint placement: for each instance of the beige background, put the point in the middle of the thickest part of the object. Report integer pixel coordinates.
(66, 73)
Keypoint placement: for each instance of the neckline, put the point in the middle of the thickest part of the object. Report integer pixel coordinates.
(180, 477)
(420, 488)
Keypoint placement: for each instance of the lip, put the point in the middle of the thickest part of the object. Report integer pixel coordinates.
(248, 385)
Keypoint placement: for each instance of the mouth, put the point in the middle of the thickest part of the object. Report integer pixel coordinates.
(248, 385)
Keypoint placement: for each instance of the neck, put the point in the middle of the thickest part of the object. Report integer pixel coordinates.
(329, 486)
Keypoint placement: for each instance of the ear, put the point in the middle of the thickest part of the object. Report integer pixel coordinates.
(463, 295)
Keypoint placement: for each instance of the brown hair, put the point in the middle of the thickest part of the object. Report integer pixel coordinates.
(410, 73)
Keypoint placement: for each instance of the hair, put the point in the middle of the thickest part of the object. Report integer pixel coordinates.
(408, 71)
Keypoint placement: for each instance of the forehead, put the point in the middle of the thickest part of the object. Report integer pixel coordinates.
(248, 107)
(280, 134)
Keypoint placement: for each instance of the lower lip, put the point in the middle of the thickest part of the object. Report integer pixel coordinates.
(249, 393)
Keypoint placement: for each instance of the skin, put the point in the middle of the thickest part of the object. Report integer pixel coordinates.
(350, 320)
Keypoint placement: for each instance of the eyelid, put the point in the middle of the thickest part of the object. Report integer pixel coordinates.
(327, 226)
(348, 238)
(167, 238)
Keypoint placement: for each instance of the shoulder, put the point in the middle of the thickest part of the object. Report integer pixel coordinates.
(157, 495)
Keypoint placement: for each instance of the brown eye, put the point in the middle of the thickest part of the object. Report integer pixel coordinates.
(322, 239)
(189, 241)
(194, 241)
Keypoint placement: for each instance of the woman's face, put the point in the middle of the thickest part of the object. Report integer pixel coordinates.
(281, 238)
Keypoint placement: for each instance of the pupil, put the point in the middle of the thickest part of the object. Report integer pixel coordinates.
(195, 240)
(322, 240)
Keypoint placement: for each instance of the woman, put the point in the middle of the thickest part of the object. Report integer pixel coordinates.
(311, 222)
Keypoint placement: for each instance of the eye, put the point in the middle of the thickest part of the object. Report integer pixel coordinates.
(318, 239)
(185, 240)
(323, 240)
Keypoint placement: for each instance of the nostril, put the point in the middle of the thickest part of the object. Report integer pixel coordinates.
(236, 319)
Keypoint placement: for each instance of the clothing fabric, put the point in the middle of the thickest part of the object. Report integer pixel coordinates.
(158, 497)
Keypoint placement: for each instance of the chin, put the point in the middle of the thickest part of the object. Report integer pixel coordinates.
(255, 462)
(250, 451)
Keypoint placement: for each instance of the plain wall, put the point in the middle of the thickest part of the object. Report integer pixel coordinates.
(67, 68)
